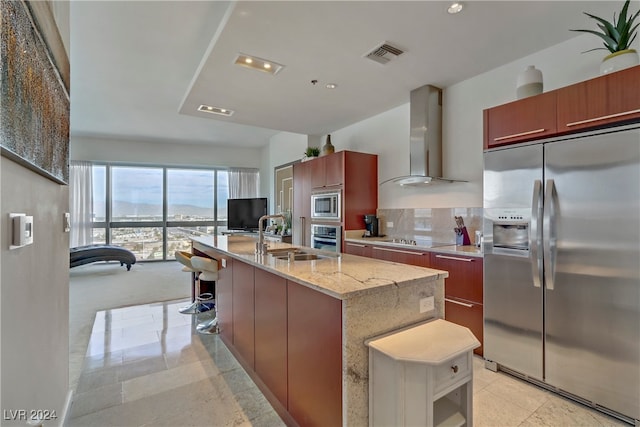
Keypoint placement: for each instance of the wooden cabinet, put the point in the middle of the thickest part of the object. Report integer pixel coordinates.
(224, 297)
(327, 171)
(522, 120)
(271, 332)
(354, 174)
(301, 216)
(244, 312)
(360, 188)
(463, 291)
(357, 249)
(315, 357)
(404, 256)
(601, 101)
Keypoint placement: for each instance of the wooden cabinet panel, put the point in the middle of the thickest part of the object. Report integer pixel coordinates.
(360, 190)
(522, 120)
(466, 313)
(318, 172)
(463, 291)
(224, 298)
(243, 312)
(465, 275)
(271, 332)
(315, 357)
(607, 99)
(357, 249)
(301, 217)
(334, 169)
(327, 171)
(401, 255)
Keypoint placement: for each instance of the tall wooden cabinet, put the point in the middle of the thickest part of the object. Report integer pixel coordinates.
(301, 215)
(352, 173)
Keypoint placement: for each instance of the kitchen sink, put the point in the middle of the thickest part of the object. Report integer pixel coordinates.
(300, 255)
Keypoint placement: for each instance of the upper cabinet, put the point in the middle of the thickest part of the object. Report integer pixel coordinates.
(327, 171)
(528, 118)
(610, 99)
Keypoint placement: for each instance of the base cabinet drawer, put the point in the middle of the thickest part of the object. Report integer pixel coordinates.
(468, 314)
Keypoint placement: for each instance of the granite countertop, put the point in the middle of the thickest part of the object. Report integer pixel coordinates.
(469, 250)
(341, 277)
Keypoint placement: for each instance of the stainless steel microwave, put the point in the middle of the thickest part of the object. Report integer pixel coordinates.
(325, 206)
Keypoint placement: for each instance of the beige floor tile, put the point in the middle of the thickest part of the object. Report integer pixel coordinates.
(518, 392)
(166, 380)
(96, 399)
(490, 410)
(561, 412)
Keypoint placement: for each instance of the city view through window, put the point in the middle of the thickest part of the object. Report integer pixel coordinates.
(152, 211)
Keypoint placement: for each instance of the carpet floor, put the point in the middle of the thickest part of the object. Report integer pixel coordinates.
(106, 285)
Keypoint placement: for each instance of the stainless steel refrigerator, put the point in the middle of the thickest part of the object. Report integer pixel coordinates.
(562, 265)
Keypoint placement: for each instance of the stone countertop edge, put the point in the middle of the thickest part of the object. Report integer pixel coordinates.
(452, 249)
(348, 277)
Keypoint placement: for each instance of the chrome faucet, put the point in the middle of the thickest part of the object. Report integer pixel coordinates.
(261, 247)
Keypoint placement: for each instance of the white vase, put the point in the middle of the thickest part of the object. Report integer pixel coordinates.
(529, 82)
(619, 61)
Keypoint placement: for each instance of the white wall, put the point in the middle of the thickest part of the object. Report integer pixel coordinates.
(157, 153)
(34, 286)
(283, 148)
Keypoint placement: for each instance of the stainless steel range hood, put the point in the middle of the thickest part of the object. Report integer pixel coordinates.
(425, 161)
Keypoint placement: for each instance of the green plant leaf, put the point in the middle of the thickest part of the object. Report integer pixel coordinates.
(623, 17)
(609, 42)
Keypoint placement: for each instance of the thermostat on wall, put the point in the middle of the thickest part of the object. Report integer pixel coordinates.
(22, 230)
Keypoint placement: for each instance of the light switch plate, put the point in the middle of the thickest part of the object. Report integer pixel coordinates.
(427, 304)
(389, 224)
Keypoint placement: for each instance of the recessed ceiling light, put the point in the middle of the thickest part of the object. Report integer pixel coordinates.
(215, 110)
(455, 8)
(332, 86)
(259, 64)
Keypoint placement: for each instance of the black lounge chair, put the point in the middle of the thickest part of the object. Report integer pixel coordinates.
(93, 253)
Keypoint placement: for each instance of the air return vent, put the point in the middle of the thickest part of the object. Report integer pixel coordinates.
(384, 53)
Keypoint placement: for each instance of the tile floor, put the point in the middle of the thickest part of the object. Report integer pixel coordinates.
(146, 365)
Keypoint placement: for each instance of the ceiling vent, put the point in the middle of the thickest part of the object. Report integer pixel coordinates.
(384, 53)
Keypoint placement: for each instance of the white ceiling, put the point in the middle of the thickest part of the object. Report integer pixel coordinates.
(140, 69)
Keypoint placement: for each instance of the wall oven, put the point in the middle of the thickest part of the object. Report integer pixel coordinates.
(325, 206)
(326, 237)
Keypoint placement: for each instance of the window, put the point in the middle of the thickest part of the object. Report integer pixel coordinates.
(154, 210)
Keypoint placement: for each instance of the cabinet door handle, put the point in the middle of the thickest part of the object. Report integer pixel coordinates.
(454, 258)
(454, 369)
(595, 119)
(399, 251)
(459, 303)
(515, 135)
(356, 244)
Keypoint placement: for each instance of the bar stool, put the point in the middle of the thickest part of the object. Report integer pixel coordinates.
(199, 305)
(208, 268)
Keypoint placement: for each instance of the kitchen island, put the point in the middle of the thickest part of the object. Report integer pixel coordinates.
(299, 327)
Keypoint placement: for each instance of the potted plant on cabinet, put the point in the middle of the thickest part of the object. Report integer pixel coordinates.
(617, 37)
(311, 152)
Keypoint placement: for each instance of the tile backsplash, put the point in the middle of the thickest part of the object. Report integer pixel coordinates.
(428, 224)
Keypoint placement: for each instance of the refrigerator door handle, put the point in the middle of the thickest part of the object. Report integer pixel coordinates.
(549, 237)
(536, 234)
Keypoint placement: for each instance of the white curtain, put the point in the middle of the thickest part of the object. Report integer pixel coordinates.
(81, 203)
(243, 183)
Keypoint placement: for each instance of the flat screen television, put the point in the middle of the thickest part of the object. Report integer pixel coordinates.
(244, 214)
